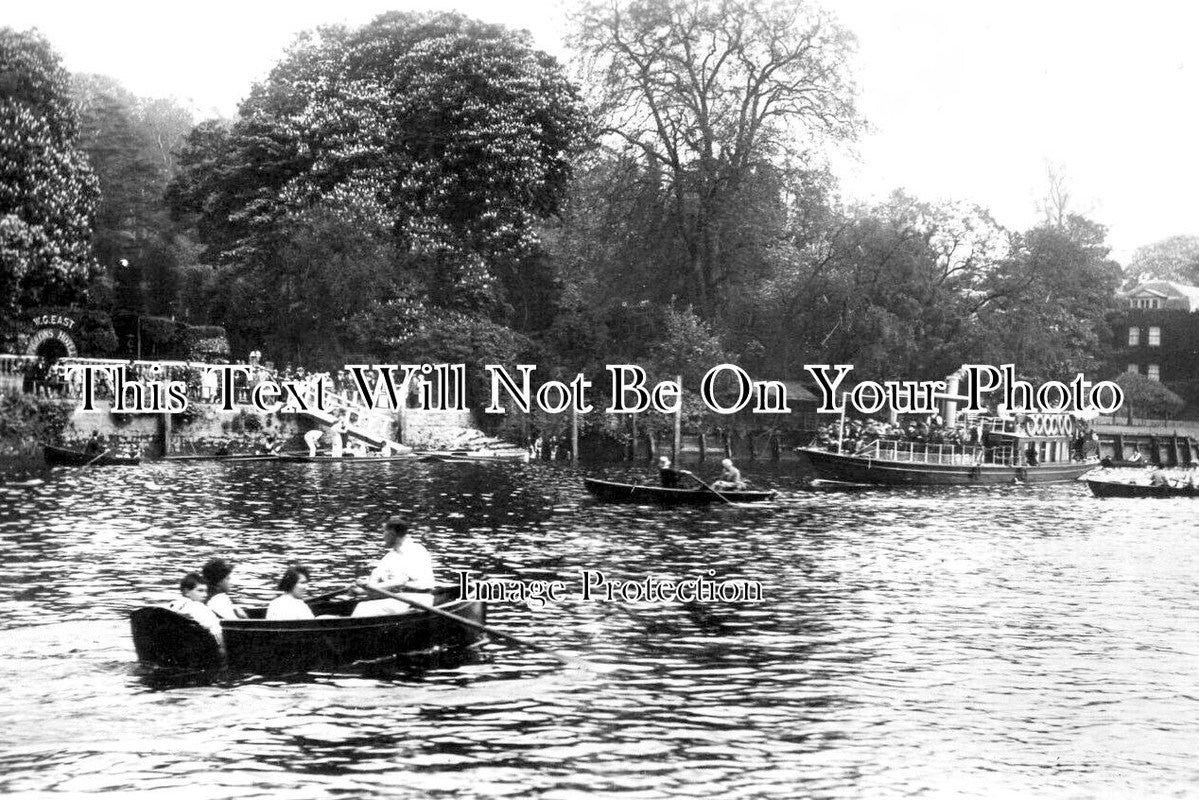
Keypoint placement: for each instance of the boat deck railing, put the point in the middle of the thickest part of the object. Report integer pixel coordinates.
(930, 453)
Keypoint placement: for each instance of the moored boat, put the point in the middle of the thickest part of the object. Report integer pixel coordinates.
(66, 457)
(167, 639)
(1036, 448)
(641, 493)
(1110, 488)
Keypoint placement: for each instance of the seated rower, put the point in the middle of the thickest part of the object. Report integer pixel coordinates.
(216, 574)
(668, 476)
(1159, 479)
(406, 569)
(191, 604)
(290, 603)
(730, 477)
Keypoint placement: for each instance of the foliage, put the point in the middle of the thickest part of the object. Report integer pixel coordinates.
(26, 418)
(1173, 259)
(47, 191)
(452, 337)
(1144, 397)
(442, 139)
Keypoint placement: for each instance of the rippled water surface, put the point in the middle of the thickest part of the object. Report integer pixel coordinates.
(1028, 641)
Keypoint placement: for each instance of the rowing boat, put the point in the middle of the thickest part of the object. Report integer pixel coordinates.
(65, 457)
(1106, 488)
(301, 458)
(640, 493)
(167, 639)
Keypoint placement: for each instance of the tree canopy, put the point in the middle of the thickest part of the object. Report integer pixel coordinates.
(48, 193)
(447, 138)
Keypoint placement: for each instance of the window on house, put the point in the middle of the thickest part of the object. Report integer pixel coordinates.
(1155, 337)
(1134, 337)
(1132, 368)
(1154, 372)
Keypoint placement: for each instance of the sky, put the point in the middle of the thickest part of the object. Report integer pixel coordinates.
(966, 101)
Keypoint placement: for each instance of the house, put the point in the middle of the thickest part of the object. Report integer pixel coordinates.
(1157, 334)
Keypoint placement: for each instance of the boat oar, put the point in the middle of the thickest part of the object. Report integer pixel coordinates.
(470, 623)
(320, 598)
(99, 456)
(709, 488)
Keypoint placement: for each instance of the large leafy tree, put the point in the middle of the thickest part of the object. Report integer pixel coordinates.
(452, 136)
(47, 190)
(716, 111)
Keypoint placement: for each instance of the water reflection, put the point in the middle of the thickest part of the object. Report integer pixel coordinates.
(1005, 640)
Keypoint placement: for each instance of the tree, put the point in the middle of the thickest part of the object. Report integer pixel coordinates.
(718, 99)
(47, 191)
(1173, 259)
(1045, 308)
(1145, 397)
(453, 136)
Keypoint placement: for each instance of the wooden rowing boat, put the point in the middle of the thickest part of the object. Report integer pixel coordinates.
(640, 493)
(167, 639)
(1106, 488)
(303, 458)
(65, 457)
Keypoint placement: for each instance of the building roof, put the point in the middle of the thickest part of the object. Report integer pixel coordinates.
(1180, 293)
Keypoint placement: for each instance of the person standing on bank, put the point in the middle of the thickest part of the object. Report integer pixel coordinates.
(290, 603)
(216, 574)
(406, 569)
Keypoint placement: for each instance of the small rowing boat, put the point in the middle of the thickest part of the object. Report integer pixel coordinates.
(303, 458)
(641, 493)
(167, 639)
(65, 457)
(1106, 488)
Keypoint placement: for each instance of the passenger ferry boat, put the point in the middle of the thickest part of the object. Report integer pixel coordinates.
(1030, 448)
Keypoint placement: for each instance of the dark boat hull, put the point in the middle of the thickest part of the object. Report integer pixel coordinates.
(167, 639)
(634, 493)
(64, 457)
(1120, 489)
(858, 469)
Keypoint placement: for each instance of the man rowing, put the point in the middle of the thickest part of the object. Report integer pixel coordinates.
(730, 478)
(406, 569)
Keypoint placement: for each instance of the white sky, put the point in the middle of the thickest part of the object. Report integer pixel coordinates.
(967, 100)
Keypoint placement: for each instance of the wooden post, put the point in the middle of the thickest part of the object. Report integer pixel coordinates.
(678, 425)
(574, 435)
(166, 434)
(703, 447)
(633, 437)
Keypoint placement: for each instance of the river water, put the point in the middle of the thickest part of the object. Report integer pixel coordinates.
(1012, 641)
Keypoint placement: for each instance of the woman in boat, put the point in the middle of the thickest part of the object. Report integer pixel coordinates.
(406, 569)
(216, 574)
(191, 604)
(290, 602)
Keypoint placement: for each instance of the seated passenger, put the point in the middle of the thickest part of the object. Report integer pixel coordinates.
(191, 604)
(669, 477)
(730, 477)
(290, 603)
(216, 574)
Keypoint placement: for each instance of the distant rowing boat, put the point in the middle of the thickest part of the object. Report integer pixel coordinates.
(634, 493)
(65, 457)
(307, 459)
(1104, 488)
